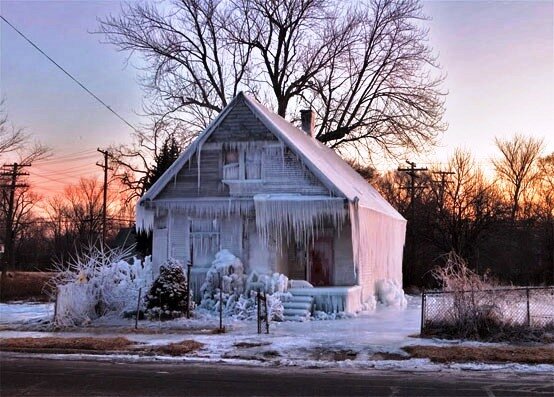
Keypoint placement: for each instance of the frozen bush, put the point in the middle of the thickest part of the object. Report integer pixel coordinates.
(238, 291)
(167, 297)
(390, 293)
(97, 282)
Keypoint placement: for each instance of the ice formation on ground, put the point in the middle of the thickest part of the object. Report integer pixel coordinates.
(238, 291)
(99, 282)
(390, 293)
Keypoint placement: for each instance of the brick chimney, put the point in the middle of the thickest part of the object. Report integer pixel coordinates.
(307, 116)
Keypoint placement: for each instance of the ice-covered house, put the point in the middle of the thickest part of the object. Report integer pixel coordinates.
(279, 200)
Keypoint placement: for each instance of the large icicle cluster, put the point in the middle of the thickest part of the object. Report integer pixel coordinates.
(239, 290)
(205, 208)
(99, 282)
(279, 214)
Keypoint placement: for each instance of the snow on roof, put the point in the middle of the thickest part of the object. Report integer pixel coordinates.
(324, 162)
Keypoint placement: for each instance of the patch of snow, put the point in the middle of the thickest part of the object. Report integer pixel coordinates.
(25, 312)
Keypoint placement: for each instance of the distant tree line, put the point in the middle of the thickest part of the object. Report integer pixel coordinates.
(501, 222)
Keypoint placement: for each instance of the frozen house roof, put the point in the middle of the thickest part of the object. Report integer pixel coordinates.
(324, 162)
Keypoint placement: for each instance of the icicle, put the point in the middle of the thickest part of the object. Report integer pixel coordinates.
(217, 208)
(304, 216)
(144, 218)
(198, 157)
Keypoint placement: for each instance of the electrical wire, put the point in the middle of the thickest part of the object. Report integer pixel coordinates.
(68, 74)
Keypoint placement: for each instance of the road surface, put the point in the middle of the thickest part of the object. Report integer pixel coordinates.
(24, 376)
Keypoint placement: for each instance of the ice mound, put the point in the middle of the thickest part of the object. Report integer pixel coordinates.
(390, 293)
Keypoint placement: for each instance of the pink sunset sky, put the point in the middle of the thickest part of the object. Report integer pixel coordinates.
(498, 56)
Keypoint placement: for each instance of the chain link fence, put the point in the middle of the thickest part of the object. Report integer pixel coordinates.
(531, 307)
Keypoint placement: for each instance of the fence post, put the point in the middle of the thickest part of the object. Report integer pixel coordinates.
(266, 314)
(56, 305)
(220, 302)
(189, 265)
(528, 308)
(259, 312)
(138, 308)
(422, 311)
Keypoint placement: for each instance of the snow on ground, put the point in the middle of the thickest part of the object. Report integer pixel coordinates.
(25, 312)
(357, 343)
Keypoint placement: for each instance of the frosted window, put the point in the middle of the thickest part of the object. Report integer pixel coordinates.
(204, 240)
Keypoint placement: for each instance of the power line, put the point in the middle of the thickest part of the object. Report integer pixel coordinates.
(67, 73)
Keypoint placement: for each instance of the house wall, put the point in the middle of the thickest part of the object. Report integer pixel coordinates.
(378, 243)
(343, 273)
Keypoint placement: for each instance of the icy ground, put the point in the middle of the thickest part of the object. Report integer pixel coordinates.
(24, 313)
(369, 340)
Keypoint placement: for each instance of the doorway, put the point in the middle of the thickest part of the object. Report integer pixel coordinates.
(321, 262)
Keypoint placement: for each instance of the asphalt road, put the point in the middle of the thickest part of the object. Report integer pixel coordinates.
(41, 377)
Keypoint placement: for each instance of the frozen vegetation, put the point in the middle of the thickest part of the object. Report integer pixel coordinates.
(238, 290)
(98, 282)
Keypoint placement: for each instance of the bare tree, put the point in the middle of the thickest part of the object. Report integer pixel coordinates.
(465, 207)
(138, 166)
(191, 70)
(365, 68)
(381, 90)
(517, 168)
(11, 137)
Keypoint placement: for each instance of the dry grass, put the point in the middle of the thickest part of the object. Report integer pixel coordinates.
(27, 286)
(85, 343)
(179, 348)
(324, 354)
(483, 354)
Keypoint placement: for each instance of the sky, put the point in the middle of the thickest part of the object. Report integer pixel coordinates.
(498, 57)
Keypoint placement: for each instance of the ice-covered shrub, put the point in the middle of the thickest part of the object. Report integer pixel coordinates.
(97, 282)
(470, 313)
(167, 297)
(238, 291)
(390, 293)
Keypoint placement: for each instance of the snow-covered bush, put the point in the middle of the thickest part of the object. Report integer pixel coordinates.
(390, 293)
(97, 282)
(238, 291)
(167, 297)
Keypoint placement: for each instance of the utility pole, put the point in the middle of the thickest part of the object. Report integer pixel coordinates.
(104, 166)
(443, 182)
(13, 172)
(412, 172)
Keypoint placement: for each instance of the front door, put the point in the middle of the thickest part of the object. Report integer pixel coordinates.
(321, 262)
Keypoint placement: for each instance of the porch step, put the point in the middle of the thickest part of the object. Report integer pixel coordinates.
(297, 305)
(302, 298)
(298, 308)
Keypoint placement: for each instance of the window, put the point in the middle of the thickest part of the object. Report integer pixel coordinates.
(231, 165)
(253, 164)
(204, 241)
(241, 165)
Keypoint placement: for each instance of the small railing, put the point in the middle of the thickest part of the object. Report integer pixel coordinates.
(231, 172)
